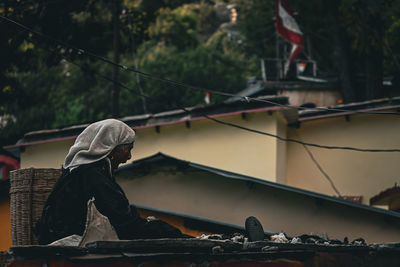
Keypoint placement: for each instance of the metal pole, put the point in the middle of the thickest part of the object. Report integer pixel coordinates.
(278, 61)
(309, 50)
(263, 74)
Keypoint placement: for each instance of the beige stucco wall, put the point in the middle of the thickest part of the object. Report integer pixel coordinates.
(354, 173)
(48, 155)
(216, 145)
(232, 201)
(205, 142)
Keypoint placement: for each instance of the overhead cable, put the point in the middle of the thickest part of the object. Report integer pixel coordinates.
(154, 77)
(242, 127)
(319, 166)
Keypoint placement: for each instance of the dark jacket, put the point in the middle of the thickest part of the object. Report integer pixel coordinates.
(65, 210)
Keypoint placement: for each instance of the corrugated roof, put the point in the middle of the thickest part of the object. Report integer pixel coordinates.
(350, 109)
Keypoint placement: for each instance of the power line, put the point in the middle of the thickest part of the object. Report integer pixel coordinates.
(151, 76)
(319, 166)
(253, 130)
(300, 142)
(238, 126)
(242, 127)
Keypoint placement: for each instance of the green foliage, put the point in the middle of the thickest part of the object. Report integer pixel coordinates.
(392, 41)
(176, 27)
(33, 90)
(180, 40)
(208, 23)
(255, 21)
(82, 96)
(203, 66)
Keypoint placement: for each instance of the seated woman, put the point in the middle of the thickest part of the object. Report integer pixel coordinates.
(88, 172)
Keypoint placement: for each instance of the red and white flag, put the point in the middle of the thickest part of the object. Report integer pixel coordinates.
(287, 27)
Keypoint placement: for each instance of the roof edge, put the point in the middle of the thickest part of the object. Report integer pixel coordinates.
(350, 109)
(80, 128)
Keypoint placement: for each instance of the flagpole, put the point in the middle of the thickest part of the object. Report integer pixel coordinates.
(278, 60)
(263, 73)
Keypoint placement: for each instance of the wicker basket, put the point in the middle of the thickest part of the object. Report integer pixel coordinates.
(29, 189)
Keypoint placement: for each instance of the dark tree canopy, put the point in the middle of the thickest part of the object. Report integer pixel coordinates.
(45, 84)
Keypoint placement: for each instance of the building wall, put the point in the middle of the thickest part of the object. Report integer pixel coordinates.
(48, 155)
(228, 200)
(353, 173)
(205, 142)
(224, 147)
(5, 223)
(216, 145)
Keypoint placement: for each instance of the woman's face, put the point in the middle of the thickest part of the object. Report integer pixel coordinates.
(121, 155)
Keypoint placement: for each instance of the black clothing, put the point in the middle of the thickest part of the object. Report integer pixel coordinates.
(65, 210)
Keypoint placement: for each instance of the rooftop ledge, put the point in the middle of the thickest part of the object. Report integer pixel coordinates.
(206, 250)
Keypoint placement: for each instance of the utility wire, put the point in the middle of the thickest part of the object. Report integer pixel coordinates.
(319, 166)
(300, 142)
(151, 76)
(235, 125)
(252, 130)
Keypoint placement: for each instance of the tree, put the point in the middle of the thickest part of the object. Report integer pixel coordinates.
(347, 39)
(256, 23)
(32, 73)
(203, 66)
(42, 77)
(189, 41)
(176, 27)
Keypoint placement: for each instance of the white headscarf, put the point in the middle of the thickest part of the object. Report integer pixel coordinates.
(97, 141)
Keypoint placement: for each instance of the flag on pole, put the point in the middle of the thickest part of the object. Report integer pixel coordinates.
(287, 27)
